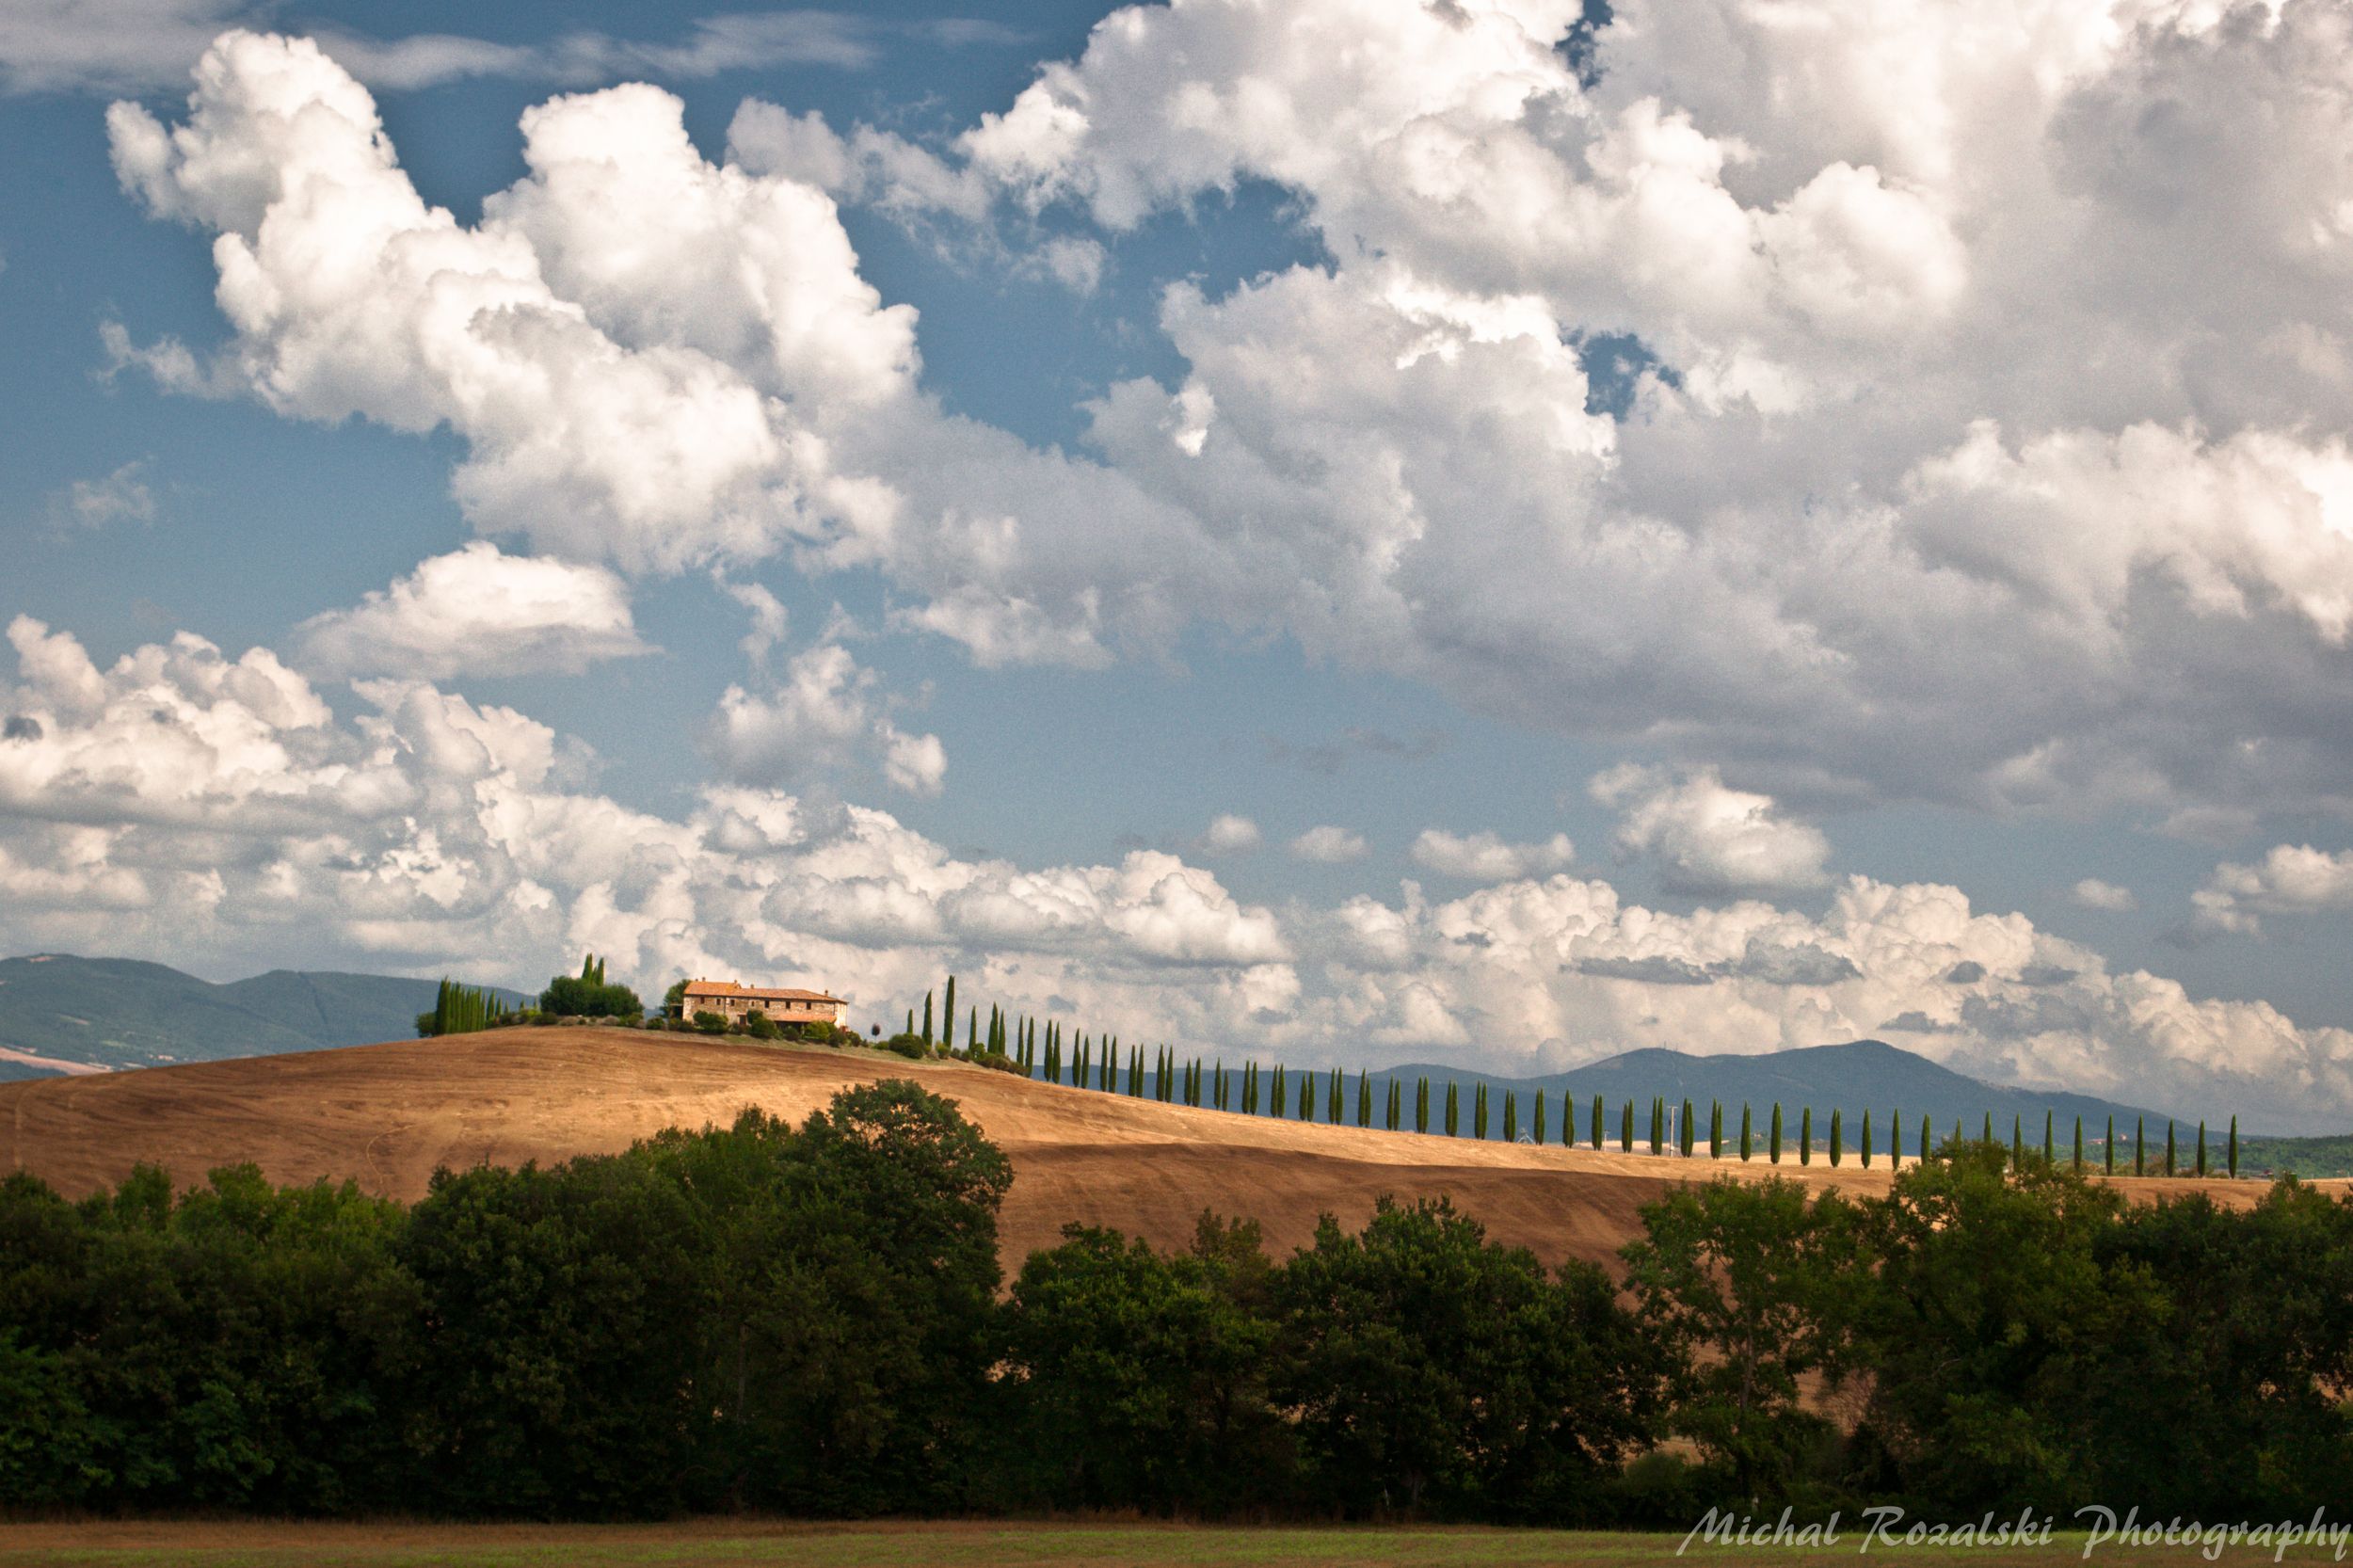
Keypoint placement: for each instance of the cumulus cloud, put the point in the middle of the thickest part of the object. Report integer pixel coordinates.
(2092, 893)
(1484, 857)
(2291, 879)
(1706, 837)
(478, 611)
(1229, 835)
(1327, 844)
(824, 714)
(1863, 483)
(119, 497)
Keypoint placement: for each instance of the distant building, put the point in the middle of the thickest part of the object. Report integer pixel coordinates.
(782, 1005)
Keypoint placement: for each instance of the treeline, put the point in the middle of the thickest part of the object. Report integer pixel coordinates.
(808, 1321)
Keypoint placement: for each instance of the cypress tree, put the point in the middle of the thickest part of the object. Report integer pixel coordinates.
(1626, 1129)
(1657, 1123)
(2140, 1145)
(2201, 1146)
(1989, 1127)
(927, 1018)
(2079, 1143)
(1686, 1129)
(1805, 1135)
(911, 1020)
(1896, 1141)
(1332, 1101)
(1306, 1097)
(1421, 1105)
(2050, 1155)
(948, 1016)
(1597, 1124)
(972, 1035)
(1364, 1097)
(1745, 1127)
(1396, 1106)
(1536, 1116)
(1715, 1129)
(1452, 1107)
(1867, 1138)
(1837, 1137)
(1774, 1142)
(2108, 1149)
(1276, 1103)
(1478, 1111)
(2233, 1148)
(2017, 1143)
(1927, 1137)
(2168, 1146)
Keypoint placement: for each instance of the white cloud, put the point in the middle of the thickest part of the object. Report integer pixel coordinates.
(2092, 893)
(825, 714)
(1484, 857)
(1706, 837)
(120, 496)
(478, 611)
(1327, 844)
(1230, 835)
(2291, 879)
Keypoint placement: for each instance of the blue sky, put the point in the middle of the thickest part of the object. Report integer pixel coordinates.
(1920, 612)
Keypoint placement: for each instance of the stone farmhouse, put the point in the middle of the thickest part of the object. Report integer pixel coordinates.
(781, 1005)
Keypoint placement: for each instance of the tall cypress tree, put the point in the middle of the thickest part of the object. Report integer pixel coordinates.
(2079, 1143)
(1626, 1129)
(1687, 1127)
(1867, 1138)
(2140, 1145)
(1927, 1137)
(927, 1018)
(2201, 1146)
(1837, 1137)
(1452, 1109)
(1306, 1096)
(2233, 1150)
(1805, 1135)
(1536, 1119)
(1745, 1127)
(1773, 1142)
(1332, 1101)
(2050, 1155)
(1896, 1141)
(948, 1016)
(2168, 1146)
(911, 1020)
(1421, 1105)
(1479, 1111)
(1657, 1123)
(1989, 1127)
(1597, 1129)
(1396, 1106)
(1364, 1097)
(2108, 1149)
(2017, 1143)
(1715, 1129)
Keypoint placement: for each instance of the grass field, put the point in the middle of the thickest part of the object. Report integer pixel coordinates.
(733, 1543)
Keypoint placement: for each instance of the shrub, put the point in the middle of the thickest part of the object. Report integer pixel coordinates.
(995, 1060)
(913, 1047)
(710, 1023)
(759, 1028)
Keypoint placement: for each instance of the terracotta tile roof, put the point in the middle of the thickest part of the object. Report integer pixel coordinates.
(757, 993)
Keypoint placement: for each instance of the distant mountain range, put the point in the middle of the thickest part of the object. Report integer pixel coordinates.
(115, 1013)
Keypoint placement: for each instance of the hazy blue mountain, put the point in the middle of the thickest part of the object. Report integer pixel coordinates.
(1862, 1075)
(123, 1013)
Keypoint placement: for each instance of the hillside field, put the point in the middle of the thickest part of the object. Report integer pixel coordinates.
(386, 1115)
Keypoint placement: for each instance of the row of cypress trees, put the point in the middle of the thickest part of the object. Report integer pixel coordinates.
(463, 1010)
(1042, 1049)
